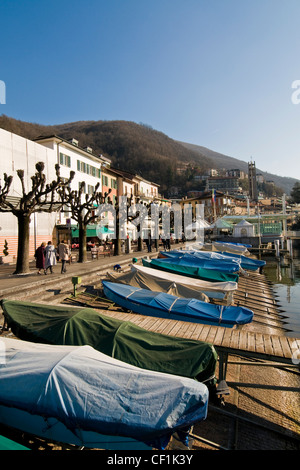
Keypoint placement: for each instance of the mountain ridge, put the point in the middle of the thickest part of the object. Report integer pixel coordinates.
(227, 162)
(139, 148)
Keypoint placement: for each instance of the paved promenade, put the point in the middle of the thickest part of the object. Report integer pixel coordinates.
(10, 282)
(262, 410)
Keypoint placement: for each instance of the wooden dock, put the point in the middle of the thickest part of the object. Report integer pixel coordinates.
(263, 340)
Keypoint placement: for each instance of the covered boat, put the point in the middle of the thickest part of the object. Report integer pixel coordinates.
(231, 247)
(77, 395)
(217, 264)
(190, 270)
(116, 338)
(244, 261)
(159, 304)
(182, 286)
(211, 259)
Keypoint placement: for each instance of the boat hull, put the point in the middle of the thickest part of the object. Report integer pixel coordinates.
(55, 431)
(161, 305)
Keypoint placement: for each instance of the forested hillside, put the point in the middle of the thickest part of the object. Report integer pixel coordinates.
(140, 149)
(133, 147)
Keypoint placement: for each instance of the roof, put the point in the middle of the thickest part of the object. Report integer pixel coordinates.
(69, 143)
(243, 223)
(131, 176)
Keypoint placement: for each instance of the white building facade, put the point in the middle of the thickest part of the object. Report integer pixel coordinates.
(20, 153)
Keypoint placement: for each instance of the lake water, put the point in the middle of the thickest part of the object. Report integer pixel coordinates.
(286, 280)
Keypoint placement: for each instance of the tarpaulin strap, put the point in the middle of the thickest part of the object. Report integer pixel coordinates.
(220, 319)
(133, 292)
(172, 304)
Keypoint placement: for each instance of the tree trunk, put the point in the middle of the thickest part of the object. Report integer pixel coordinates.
(117, 241)
(82, 243)
(22, 266)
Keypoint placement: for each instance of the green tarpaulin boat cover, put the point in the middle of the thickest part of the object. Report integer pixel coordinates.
(123, 340)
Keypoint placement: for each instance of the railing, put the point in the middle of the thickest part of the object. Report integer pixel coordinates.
(293, 233)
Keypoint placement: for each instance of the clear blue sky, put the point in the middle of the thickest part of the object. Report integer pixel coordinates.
(216, 73)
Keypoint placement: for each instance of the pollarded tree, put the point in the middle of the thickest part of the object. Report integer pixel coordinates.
(40, 198)
(83, 210)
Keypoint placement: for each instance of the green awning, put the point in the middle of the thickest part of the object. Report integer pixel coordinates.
(91, 231)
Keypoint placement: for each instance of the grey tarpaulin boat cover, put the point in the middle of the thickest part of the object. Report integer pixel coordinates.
(85, 389)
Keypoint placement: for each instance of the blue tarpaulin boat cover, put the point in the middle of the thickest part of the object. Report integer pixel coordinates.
(244, 261)
(85, 389)
(169, 306)
(189, 259)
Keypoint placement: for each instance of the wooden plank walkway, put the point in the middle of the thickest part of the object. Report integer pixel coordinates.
(256, 342)
(250, 341)
(277, 348)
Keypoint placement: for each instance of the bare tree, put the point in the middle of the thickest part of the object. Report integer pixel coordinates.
(5, 189)
(40, 198)
(82, 210)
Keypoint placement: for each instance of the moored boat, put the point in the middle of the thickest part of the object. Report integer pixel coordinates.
(188, 259)
(190, 270)
(65, 325)
(79, 396)
(231, 247)
(245, 262)
(175, 284)
(159, 304)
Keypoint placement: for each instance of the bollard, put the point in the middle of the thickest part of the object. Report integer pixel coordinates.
(76, 280)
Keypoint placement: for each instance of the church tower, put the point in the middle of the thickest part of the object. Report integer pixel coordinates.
(252, 181)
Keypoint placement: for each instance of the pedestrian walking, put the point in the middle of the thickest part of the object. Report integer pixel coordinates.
(40, 258)
(149, 243)
(63, 252)
(50, 257)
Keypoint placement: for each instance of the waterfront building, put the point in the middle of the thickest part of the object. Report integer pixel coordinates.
(20, 153)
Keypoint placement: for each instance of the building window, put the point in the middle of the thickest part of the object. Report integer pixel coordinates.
(65, 159)
(88, 169)
(91, 189)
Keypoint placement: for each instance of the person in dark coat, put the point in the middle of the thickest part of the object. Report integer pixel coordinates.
(40, 258)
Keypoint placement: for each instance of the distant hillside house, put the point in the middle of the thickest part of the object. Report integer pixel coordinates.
(259, 178)
(213, 207)
(236, 173)
(228, 184)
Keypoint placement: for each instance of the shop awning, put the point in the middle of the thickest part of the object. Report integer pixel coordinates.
(91, 231)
